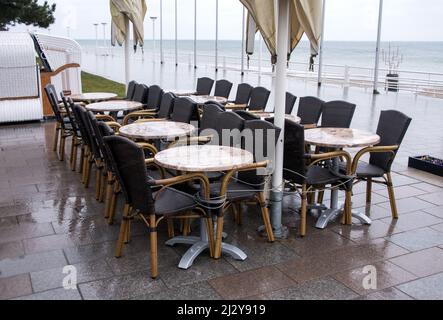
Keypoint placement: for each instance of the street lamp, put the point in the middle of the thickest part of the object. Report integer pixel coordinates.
(153, 32)
(104, 38)
(96, 38)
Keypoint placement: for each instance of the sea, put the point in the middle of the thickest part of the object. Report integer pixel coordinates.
(415, 56)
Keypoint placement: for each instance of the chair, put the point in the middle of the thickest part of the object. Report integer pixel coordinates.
(154, 97)
(218, 104)
(204, 86)
(62, 126)
(302, 173)
(290, 102)
(309, 110)
(137, 187)
(248, 185)
(392, 128)
(243, 95)
(222, 88)
(131, 90)
(209, 118)
(164, 111)
(259, 99)
(247, 115)
(141, 92)
(228, 127)
(185, 110)
(76, 134)
(337, 114)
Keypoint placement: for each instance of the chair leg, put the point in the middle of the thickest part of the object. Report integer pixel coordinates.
(392, 197)
(88, 171)
(128, 231)
(71, 154)
(62, 145)
(98, 179)
(348, 208)
(153, 242)
(82, 158)
(186, 222)
(219, 238)
(102, 186)
(108, 194)
(112, 205)
(171, 231)
(210, 231)
(369, 191)
(265, 216)
(74, 153)
(56, 133)
(303, 209)
(122, 234)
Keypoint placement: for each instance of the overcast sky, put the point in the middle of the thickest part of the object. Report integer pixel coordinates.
(404, 20)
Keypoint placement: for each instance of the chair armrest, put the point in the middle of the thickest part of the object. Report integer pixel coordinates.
(310, 126)
(114, 125)
(150, 120)
(138, 114)
(104, 117)
(376, 149)
(151, 163)
(227, 177)
(148, 147)
(189, 141)
(234, 106)
(184, 178)
(315, 158)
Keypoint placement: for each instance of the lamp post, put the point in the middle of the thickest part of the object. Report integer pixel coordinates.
(320, 53)
(104, 34)
(216, 35)
(153, 33)
(176, 34)
(96, 38)
(195, 34)
(161, 32)
(377, 50)
(68, 31)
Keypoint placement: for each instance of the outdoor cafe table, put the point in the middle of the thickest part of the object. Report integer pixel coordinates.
(181, 92)
(338, 138)
(114, 106)
(154, 130)
(90, 97)
(264, 115)
(204, 99)
(203, 158)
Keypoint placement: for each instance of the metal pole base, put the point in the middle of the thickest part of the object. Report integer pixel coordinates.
(364, 219)
(327, 216)
(281, 233)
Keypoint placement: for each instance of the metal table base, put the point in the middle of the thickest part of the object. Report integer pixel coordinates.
(336, 208)
(200, 244)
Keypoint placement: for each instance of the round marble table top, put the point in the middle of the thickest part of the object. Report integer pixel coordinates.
(93, 96)
(204, 158)
(156, 130)
(264, 115)
(114, 105)
(340, 137)
(181, 92)
(204, 99)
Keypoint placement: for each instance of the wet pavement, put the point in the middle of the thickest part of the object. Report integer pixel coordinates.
(48, 220)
